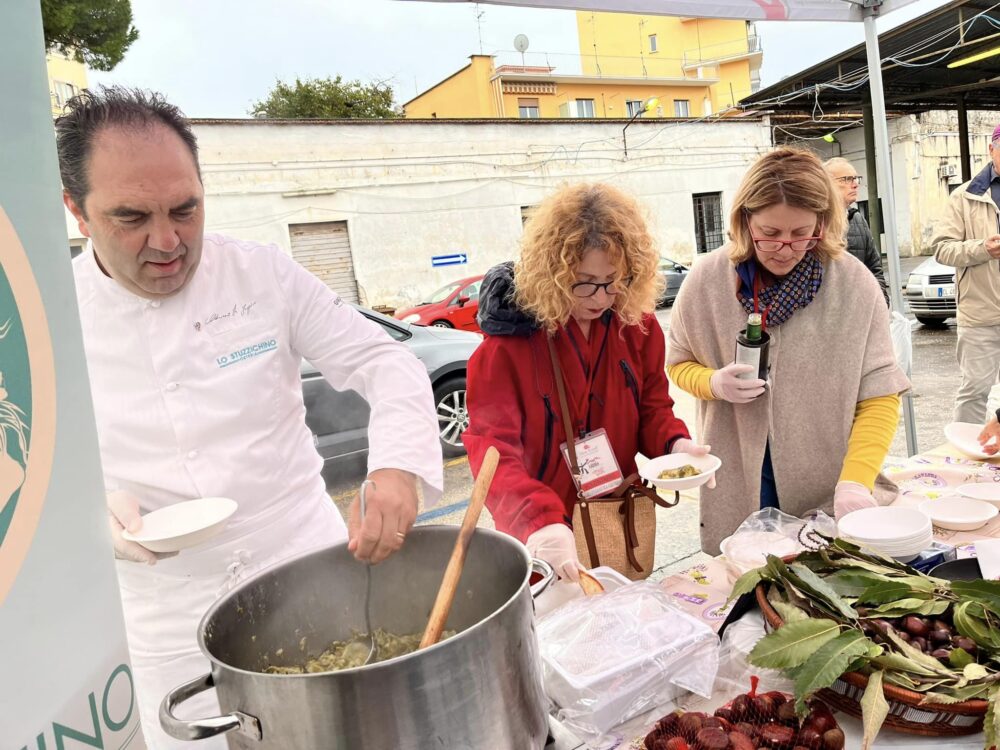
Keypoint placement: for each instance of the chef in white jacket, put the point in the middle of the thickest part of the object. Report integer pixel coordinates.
(193, 346)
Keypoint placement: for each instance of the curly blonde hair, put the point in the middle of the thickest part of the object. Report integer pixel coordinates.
(795, 177)
(573, 220)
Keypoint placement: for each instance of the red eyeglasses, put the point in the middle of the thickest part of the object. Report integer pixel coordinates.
(768, 245)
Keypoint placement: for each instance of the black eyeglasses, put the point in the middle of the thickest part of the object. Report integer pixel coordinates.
(611, 288)
(847, 179)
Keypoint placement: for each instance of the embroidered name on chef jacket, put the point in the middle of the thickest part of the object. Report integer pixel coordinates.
(247, 352)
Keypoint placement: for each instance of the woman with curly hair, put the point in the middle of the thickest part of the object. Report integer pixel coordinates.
(816, 434)
(587, 281)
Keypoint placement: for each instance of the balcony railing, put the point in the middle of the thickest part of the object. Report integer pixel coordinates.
(604, 66)
(714, 53)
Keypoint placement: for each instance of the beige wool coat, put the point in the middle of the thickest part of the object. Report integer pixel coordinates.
(824, 360)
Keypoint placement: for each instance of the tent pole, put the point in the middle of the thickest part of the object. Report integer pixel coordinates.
(885, 189)
(874, 210)
(963, 140)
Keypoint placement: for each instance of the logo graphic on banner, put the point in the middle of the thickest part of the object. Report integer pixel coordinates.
(27, 405)
(774, 10)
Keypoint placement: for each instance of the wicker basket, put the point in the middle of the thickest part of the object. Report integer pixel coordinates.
(906, 714)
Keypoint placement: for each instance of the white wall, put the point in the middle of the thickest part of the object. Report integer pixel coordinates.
(410, 190)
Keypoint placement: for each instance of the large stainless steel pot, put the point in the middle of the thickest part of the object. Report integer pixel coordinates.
(479, 689)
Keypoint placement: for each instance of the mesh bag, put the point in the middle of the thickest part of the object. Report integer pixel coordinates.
(749, 722)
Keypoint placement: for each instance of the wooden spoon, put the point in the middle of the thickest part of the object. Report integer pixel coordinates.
(446, 594)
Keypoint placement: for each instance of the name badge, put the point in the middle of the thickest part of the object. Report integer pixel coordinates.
(599, 470)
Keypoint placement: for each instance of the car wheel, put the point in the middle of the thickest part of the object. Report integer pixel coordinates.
(931, 322)
(453, 416)
(441, 324)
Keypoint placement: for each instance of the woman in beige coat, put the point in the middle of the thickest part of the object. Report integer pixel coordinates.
(816, 433)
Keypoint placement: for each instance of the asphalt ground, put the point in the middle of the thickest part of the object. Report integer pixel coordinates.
(935, 381)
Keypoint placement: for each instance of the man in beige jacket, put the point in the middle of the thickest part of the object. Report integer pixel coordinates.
(968, 238)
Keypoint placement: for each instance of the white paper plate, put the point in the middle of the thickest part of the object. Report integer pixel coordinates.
(965, 437)
(183, 525)
(884, 525)
(987, 491)
(707, 465)
(959, 513)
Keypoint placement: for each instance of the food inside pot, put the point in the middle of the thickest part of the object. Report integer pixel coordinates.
(353, 653)
(681, 472)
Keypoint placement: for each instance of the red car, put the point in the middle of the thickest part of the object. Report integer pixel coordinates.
(452, 306)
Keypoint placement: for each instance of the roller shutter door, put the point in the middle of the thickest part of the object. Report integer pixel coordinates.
(325, 250)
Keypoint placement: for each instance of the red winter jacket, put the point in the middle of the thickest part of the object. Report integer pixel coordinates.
(513, 404)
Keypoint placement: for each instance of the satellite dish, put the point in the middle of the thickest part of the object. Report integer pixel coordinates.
(521, 43)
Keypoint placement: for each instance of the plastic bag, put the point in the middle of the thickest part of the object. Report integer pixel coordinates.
(771, 532)
(735, 669)
(901, 330)
(614, 656)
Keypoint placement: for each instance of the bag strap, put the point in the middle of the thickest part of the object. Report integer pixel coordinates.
(564, 407)
(588, 526)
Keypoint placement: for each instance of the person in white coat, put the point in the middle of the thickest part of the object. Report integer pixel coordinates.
(193, 346)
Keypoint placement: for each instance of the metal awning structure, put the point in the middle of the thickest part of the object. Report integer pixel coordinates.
(915, 73)
(865, 11)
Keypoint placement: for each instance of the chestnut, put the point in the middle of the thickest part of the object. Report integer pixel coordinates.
(786, 714)
(777, 736)
(916, 626)
(712, 739)
(763, 708)
(833, 739)
(940, 636)
(690, 724)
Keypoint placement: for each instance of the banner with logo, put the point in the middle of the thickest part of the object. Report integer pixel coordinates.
(66, 680)
(751, 10)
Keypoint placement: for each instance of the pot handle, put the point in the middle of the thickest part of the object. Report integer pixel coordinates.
(546, 571)
(200, 729)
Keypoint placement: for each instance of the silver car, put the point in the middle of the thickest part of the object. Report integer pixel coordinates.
(930, 292)
(674, 274)
(339, 419)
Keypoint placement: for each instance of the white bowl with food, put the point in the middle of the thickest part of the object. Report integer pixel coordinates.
(959, 513)
(183, 525)
(988, 492)
(680, 471)
(965, 437)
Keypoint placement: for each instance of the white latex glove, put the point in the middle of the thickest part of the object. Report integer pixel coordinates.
(556, 545)
(123, 513)
(728, 386)
(851, 496)
(686, 445)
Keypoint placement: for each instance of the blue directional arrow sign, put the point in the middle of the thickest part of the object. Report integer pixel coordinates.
(455, 259)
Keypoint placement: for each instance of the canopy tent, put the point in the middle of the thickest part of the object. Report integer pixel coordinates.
(865, 11)
(750, 10)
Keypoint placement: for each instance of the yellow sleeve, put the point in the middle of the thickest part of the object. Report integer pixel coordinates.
(875, 422)
(694, 378)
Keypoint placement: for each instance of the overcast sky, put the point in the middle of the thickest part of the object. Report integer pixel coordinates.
(213, 58)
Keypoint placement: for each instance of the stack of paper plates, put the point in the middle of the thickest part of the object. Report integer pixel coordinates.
(902, 533)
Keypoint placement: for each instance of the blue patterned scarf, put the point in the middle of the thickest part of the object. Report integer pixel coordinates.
(779, 302)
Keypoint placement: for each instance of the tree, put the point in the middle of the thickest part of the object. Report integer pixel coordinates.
(95, 32)
(326, 98)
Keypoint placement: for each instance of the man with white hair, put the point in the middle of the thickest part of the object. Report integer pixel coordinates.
(860, 242)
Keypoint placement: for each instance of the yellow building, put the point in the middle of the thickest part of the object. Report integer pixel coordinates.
(725, 54)
(67, 78)
(693, 67)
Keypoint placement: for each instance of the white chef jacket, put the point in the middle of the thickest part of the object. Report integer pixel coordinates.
(199, 395)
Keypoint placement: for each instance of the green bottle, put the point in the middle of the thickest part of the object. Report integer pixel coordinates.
(751, 347)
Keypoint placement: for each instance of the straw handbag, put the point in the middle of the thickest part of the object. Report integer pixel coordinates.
(619, 529)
